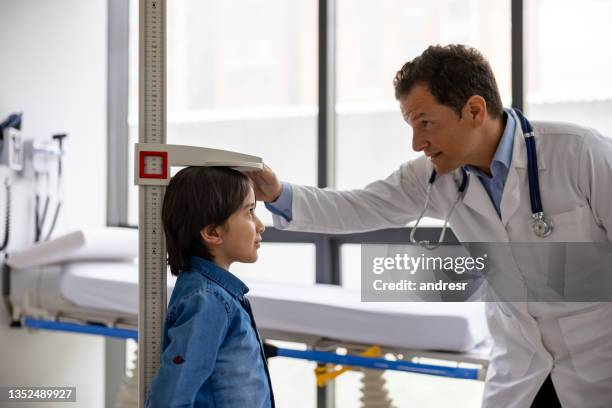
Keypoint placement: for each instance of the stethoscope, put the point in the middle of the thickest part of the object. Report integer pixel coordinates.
(540, 224)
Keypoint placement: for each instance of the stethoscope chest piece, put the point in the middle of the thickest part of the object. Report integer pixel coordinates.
(541, 225)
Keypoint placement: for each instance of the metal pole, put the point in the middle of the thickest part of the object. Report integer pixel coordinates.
(518, 84)
(117, 112)
(327, 261)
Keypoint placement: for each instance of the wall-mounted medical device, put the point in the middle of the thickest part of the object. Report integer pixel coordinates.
(46, 157)
(12, 156)
(11, 142)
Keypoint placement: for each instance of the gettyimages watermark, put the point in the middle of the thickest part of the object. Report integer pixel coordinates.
(480, 271)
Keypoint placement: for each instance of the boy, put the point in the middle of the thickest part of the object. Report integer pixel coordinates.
(212, 355)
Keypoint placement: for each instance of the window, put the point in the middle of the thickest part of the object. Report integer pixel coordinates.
(374, 40)
(241, 75)
(568, 60)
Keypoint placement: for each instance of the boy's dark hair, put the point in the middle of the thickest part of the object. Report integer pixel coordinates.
(197, 197)
(453, 74)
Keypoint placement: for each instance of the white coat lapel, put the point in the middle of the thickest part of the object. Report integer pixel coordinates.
(511, 197)
(476, 198)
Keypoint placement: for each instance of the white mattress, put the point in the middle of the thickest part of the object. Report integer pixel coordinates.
(320, 310)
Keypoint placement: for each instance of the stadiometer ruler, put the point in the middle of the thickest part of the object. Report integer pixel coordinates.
(152, 246)
(153, 159)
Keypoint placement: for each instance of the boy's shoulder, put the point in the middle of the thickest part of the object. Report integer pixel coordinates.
(204, 278)
(191, 284)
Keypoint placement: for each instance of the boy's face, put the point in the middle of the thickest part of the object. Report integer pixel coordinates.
(240, 235)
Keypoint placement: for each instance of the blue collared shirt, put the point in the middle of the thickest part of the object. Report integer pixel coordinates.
(212, 355)
(282, 205)
(500, 165)
(494, 185)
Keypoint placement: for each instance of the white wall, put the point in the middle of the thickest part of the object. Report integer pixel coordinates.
(53, 68)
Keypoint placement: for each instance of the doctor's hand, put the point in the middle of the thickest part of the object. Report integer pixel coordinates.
(266, 184)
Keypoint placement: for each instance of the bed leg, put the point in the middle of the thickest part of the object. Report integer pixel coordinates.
(373, 390)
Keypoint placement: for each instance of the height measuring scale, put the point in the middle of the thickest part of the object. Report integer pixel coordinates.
(153, 159)
(152, 248)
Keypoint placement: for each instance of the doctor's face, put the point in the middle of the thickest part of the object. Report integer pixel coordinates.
(437, 130)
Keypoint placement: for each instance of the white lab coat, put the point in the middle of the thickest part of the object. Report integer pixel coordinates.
(571, 341)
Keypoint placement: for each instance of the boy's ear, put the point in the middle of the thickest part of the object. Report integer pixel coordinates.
(210, 235)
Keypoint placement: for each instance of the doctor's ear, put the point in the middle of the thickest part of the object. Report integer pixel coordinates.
(475, 109)
(211, 235)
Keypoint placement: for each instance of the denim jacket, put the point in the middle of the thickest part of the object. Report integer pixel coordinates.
(212, 355)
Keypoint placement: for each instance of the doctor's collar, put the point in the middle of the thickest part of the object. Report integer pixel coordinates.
(503, 154)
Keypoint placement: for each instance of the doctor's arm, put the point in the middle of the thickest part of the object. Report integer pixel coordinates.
(595, 174)
(391, 202)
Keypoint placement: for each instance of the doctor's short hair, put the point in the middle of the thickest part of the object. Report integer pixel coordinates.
(453, 73)
(197, 197)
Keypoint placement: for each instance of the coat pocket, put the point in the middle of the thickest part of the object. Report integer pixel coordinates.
(577, 225)
(588, 337)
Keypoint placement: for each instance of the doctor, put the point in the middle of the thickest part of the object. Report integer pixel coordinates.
(545, 354)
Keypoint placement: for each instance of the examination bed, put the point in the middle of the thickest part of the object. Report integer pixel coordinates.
(107, 292)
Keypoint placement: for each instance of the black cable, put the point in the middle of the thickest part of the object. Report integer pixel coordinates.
(7, 215)
(36, 220)
(57, 210)
(44, 215)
